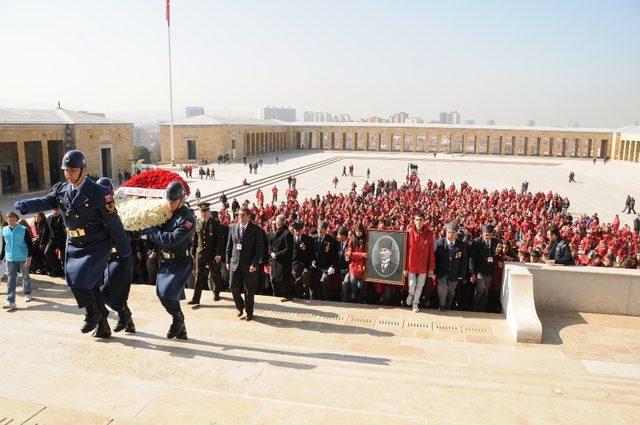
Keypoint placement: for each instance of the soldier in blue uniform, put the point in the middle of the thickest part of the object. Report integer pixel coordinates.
(93, 228)
(174, 240)
(117, 281)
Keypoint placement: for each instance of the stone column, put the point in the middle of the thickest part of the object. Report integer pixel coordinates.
(22, 167)
(403, 141)
(45, 163)
(390, 142)
(378, 142)
(367, 140)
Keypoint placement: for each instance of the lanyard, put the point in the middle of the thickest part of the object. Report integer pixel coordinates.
(241, 233)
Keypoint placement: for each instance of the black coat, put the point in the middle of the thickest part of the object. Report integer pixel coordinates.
(343, 263)
(252, 247)
(303, 251)
(559, 251)
(479, 256)
(454, 266)
(57, 232)
(281, 243)
(636, 225)
(326, 252)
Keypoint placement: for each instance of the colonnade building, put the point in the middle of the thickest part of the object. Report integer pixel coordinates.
(207, 137)
(33, 142)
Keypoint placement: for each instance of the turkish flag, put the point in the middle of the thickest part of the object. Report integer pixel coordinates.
(168, 13)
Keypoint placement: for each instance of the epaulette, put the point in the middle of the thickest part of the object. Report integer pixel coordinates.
(56, 188)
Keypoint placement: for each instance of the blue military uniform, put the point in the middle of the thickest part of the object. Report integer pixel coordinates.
(175, 265)
(92, 223)
(117, 280)
(93, 227)
(174, 240)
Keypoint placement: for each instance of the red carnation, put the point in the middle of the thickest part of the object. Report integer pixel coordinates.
(156, 179)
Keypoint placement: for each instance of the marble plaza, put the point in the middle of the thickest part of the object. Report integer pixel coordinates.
(312, 362)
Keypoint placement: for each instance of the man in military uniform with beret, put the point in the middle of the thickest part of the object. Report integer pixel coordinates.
(93, 228)
(207, 252)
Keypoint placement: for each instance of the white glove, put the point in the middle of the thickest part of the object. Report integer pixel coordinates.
(313, 264)
(331, 270)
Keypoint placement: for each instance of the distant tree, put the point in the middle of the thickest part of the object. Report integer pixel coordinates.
(155, 153)
(141, 152)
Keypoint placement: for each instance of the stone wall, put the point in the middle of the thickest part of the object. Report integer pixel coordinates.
(88, 138)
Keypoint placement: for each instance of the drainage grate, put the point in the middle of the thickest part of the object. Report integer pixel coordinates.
(476, 330)
(417, 325)
(447, 327)
(389, 323)
(215, 307)
(361, 320)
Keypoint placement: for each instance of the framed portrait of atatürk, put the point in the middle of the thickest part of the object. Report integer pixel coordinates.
(387, 252)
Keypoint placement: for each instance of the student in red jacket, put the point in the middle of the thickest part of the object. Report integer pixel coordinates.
(357, 257)
(422, 259)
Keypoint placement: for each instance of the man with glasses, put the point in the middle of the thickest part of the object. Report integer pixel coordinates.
(243, 257)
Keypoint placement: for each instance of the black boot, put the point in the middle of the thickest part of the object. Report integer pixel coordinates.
(177, 327)
(124, 319)
(103, 330)
(131, 328)
(91, 318)
(182, 335)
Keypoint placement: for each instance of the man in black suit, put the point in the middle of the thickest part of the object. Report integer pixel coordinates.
(636, 224)
(326, 261)
(386, 267)
(343, 263)
(451, 264)
(244, 254)
(303, 255)
(481, 266)
(280, 258)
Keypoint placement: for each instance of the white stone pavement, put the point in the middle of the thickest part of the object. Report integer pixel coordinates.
(311, 362)
(599, 188)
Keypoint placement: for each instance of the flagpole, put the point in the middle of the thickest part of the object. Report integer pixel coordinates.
(170, 90)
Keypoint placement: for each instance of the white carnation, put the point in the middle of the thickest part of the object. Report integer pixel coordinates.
(141, 213)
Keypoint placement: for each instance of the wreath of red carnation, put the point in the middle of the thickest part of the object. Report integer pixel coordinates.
(156, 179)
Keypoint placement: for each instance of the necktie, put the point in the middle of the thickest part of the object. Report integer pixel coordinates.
(241, 231)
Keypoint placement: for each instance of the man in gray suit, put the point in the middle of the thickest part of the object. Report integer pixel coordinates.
(244, 253)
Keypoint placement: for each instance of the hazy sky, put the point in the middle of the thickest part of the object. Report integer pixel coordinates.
(550, 61)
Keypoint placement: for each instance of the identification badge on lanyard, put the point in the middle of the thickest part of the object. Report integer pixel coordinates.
(239, 247)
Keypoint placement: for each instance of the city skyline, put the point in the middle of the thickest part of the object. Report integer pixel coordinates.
(496, 59)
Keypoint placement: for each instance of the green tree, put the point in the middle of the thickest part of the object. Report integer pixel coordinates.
(141, 152)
